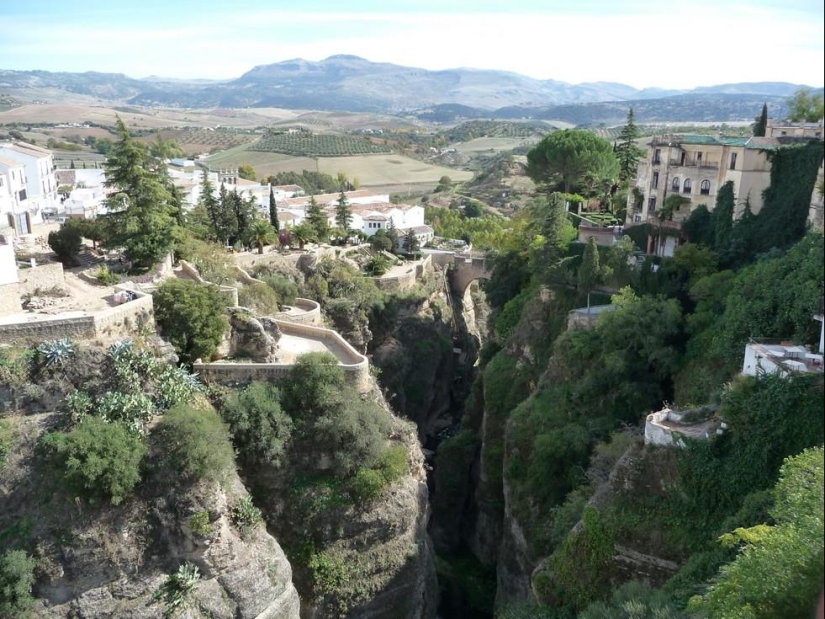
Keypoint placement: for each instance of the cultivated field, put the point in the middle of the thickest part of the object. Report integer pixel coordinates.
(495, 144)
(371, 170)
(317, 145)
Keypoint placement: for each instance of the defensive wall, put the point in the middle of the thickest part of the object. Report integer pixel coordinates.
(406, 280)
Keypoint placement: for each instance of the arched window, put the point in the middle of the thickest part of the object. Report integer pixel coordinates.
(687, 186)
(704, 188)
(675, 184)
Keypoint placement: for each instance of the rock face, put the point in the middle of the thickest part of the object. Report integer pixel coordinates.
(251, 337)
(109, 561)
(380, 549)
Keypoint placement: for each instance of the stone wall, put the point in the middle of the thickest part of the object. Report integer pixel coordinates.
(310, 313)
(116, 322)
(355, 365)
(406, 280)
(43, 277)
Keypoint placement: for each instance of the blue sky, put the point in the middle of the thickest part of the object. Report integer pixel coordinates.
(644, 43)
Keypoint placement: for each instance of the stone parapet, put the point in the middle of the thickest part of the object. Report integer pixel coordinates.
(355, 365)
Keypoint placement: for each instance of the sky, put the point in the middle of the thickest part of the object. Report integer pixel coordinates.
(643, 43)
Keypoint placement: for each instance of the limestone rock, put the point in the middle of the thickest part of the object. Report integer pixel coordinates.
(249, 338)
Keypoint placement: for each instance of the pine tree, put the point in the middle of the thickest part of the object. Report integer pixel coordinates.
(626, 150)
(411, 243)
(760, 127)
(392, 233)
(273, 211)
(142, 218)
(71, 165)
(212, 206)
(317, 218)
(343, 213)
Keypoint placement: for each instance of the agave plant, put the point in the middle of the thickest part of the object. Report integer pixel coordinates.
(56, 352)
(176, 588)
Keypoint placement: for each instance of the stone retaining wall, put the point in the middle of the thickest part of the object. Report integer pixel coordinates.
(113, 323)
(356, 365)
(407, 280)
(310, 313)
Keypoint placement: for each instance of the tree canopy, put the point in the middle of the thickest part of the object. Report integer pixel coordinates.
(806, 106)
(565, 157)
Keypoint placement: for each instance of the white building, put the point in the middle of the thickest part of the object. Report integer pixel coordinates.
(779, 358)
(41, 178)
(16, 216)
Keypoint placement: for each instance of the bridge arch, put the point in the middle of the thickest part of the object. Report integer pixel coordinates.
(464, 270)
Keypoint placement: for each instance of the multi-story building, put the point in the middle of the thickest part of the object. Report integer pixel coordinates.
(15, 215)
(695, 167)
(41, 177)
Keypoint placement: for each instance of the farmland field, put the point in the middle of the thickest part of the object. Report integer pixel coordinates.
(498, 144)
(317, 145)
(370, 170)
(195, 141)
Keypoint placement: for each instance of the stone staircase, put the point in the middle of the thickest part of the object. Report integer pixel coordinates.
(87, 259)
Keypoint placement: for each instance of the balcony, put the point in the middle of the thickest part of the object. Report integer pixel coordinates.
(693, 163)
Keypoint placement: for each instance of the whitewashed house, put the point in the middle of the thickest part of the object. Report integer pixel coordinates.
(16, 215)
(41, 178)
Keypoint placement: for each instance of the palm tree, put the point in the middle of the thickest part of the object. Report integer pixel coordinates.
(261, 233)
(303, 233)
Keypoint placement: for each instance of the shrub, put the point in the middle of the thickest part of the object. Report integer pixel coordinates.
(191, 316)
(245, 515)
(55, 353)
(366, 485)
(312, 379)
(394, 463)
(78, 403)
(351, 430)
(106, 277)
(258, 297)
(16, 580)
(285, 289)
(196, 443)
(173, 385)
(259, 427)
(66, 243)
(133, 409)
(200, 524)
(177, 587)
(99, 459)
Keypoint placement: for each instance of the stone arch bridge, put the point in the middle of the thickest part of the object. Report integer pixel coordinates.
(462, 268)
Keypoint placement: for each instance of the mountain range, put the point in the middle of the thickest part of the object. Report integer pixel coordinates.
(351, 83)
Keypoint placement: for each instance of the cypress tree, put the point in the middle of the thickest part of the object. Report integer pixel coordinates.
(760, 127)
(721, 218)
(273, 211)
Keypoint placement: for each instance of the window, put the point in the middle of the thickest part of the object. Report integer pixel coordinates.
(704, 188)
(21, 195)
(657, 155)
(651, 205)
(733, 161)
(687, 186)
(675, 184)
(654, 184)
(682, 158)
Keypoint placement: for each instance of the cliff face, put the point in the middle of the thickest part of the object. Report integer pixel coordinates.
(371, 559)
(109, 561)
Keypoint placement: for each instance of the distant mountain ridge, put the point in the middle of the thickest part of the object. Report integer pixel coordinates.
(351, 83)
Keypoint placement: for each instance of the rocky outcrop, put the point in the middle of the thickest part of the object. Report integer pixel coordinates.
(252, 338)
(99, 560)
